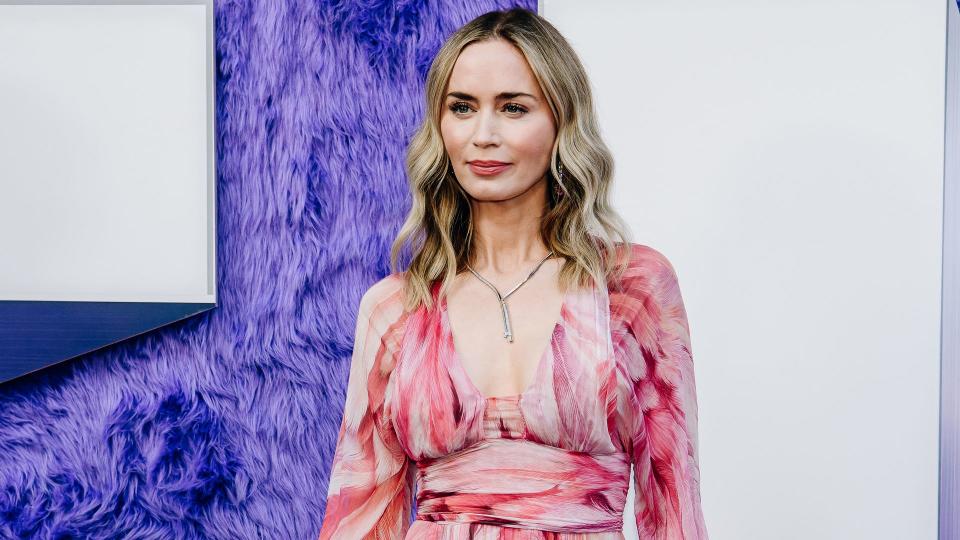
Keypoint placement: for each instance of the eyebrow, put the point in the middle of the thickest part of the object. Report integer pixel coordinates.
(500, 96)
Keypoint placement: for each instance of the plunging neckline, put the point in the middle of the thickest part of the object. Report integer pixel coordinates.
(541, 360)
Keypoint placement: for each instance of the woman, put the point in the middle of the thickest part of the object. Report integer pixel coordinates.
(492, 380)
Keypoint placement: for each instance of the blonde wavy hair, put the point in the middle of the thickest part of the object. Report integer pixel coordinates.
(580, 227)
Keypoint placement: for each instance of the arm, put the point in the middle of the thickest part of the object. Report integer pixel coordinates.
(661, 411)
(369, 493)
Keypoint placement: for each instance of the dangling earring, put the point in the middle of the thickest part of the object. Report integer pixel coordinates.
(557, 190)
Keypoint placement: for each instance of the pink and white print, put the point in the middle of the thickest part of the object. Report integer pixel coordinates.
(614, 388)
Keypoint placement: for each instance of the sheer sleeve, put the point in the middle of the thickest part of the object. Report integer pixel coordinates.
(369, 493)
(660, 404)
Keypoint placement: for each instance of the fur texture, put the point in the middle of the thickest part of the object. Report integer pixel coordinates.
(224, 425)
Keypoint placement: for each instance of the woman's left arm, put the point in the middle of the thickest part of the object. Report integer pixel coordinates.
(662, 408)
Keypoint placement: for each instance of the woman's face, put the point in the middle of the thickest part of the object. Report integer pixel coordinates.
(496, 113)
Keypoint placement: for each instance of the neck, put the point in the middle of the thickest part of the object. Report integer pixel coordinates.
(507, 233)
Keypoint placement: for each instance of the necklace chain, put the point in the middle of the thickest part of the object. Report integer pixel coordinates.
(507, 328)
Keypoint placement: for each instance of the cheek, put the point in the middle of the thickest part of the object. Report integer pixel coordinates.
(453, 133)
(536, 142)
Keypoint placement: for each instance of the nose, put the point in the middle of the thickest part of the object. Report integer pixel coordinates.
(486, 131)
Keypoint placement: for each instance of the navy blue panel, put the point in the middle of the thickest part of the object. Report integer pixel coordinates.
(36, 334)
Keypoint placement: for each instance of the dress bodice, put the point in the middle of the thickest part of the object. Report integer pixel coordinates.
(613, 390)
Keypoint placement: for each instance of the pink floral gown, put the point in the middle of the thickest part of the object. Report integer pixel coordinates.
(614, 388)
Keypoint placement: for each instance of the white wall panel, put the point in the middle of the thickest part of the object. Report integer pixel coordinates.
(105, 153)
(788, 158)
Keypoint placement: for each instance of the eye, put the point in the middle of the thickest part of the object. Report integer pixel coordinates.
(455, 107)
(512, 108)
(518, 108)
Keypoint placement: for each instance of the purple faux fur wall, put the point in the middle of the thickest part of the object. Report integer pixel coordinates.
(223, 426)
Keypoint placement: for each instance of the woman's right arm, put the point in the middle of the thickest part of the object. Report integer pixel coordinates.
(369, 493)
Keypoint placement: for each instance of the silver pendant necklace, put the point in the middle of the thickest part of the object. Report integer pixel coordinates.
(507, 329)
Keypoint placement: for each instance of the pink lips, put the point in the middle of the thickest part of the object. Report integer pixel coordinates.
(488, 168)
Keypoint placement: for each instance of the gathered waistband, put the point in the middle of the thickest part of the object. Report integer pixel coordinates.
(520, 483)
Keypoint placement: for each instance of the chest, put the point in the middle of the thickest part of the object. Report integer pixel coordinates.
(478, 323)
(566, 399)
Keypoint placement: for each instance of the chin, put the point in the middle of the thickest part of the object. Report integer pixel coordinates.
(494, 194)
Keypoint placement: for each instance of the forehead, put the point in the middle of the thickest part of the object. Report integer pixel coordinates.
(487, 68)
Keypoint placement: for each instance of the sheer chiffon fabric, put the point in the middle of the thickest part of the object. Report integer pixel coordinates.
(614, 395)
